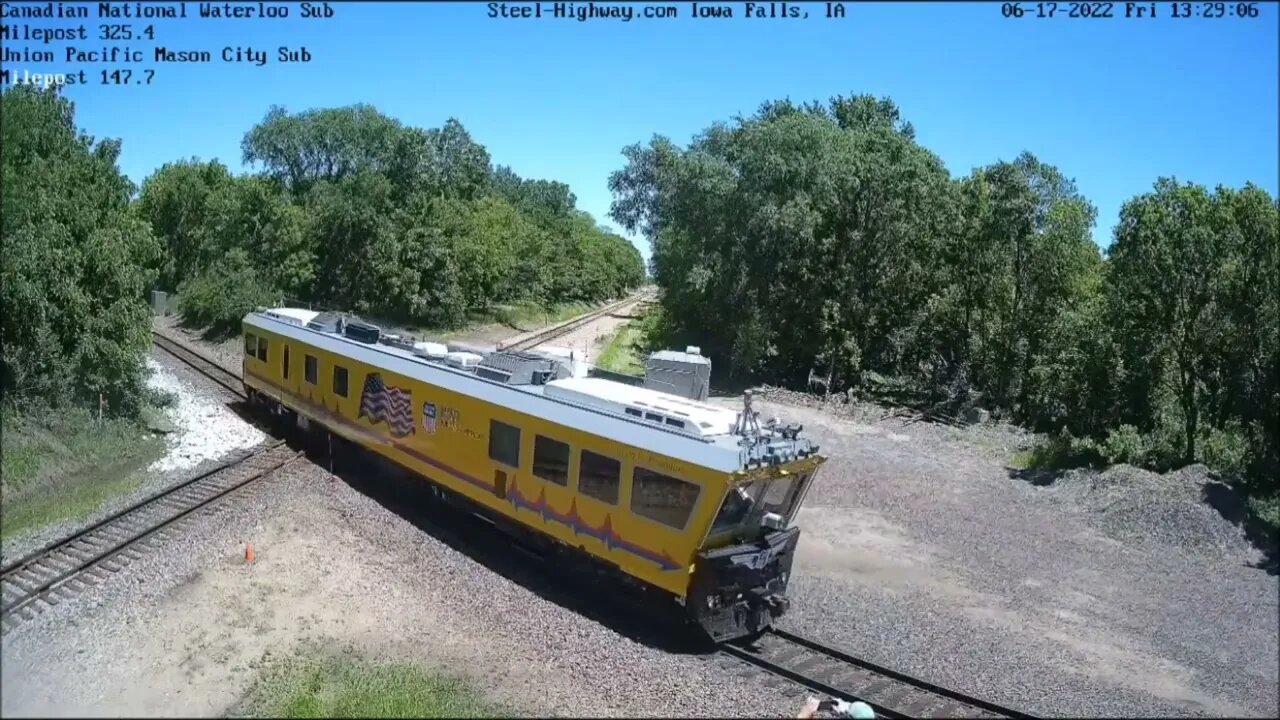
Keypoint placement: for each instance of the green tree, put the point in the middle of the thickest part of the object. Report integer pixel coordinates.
(174, 199)
(357, 251)
(76, 261)
(251, 214)
(1167, 263)
(787, 233)
(329, 144)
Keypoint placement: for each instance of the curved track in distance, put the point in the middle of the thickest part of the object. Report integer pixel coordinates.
(201, 364)
(835, 673)
(539, 337)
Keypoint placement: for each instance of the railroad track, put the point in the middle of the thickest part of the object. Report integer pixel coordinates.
(531, 341)
(829, 671)
(201, 364)
(58, 572)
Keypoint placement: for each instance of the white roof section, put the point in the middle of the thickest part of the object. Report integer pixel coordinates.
(430, 349)
(293, 316)
(462, 359)
(677, 356)
(681, 413)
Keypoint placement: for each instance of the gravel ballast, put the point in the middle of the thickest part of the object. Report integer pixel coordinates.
(1119, 594)
(206, 429)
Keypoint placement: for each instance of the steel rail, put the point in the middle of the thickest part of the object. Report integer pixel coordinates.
(46, 571)
(833, 672)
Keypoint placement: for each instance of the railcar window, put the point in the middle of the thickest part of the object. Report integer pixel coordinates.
(598, 477)
(633, 411)
(262, 349)
(675, 423)
(737, 505)
(339, 381)
(285, 363)
(551, 460)
(661, 497)
(782, 494)
(311, 369)
(775, 498)
(504, 443)
(653, 417)
(250, 344)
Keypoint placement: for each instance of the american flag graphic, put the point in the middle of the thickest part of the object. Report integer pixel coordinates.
(380, 401)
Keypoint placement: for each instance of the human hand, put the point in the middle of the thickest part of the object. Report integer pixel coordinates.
(809, 710)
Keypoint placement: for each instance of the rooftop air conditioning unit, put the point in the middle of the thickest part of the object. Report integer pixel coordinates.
(463, 360)
(430, 350)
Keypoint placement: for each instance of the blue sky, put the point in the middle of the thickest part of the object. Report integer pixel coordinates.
(1114, 103)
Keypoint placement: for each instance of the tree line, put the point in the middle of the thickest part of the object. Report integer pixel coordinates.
(823, 239)
(352, 210)
(356, 210)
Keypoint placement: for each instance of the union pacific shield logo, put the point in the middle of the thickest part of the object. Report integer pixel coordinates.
(429, 417)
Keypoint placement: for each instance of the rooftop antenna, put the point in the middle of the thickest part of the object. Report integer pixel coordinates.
(748, 422)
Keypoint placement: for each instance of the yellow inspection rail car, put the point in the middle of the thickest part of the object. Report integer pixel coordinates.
(683, 496)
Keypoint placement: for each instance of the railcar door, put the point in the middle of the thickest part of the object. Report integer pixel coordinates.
(500, 484)
(504, 452)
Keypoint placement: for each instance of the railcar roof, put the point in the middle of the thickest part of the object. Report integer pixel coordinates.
(709, 419)
(302, 316)
(581, 403)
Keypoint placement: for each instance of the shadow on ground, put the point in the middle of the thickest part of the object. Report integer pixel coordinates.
(1226, 500)
(1035, 476)
(613, 607)
(1233, 507)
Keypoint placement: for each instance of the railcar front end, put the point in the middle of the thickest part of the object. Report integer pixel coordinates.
(738, 585)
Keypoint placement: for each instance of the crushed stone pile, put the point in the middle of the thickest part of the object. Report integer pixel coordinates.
(1188, 507)
(205, 429)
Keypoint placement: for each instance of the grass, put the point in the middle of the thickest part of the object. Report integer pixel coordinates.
(529, 316)
(1059, 453)
(63, 465)
(623, 351)
(1023, 459)
(522, 316)
(315, 684)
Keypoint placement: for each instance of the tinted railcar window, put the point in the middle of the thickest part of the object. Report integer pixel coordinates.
(250, 344)
(339, 381)
(551, 460)
(663, 498)
(598, 477)
(311, 369)
(504, 443)
(262, 349)
(634, 412)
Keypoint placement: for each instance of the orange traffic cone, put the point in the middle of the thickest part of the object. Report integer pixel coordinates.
(248, 552)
